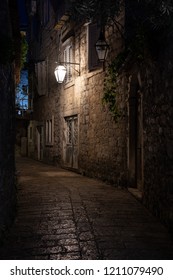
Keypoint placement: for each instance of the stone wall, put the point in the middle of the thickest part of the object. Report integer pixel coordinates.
(158, 139)
(102, 141)
(7, 140)
(21, 131)
(7, 133)
(45, 107)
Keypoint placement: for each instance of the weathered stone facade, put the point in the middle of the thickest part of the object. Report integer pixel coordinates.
(7, 139)
(158, 138)
(7, 132)
(134, 152)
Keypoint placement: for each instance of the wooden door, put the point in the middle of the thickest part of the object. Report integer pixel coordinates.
(71, 142)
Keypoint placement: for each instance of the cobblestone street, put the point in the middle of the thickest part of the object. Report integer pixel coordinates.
(62, 215)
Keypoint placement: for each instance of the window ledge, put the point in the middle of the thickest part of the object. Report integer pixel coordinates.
(94, 72)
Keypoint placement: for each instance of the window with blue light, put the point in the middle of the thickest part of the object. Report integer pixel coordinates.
(22, 93)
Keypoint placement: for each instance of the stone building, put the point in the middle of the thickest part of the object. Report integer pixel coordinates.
(9, 73)
(72, 127)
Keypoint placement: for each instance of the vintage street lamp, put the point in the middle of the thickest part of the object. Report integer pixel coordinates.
(102, 47)
(60, 72)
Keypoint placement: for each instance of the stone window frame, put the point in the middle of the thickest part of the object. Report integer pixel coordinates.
(68, 57)
(68, 52)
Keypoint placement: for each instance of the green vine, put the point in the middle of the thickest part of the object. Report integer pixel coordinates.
(135, 51)
(111, 87)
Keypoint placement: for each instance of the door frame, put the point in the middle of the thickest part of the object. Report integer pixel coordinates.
(135, 134)
(71, 160)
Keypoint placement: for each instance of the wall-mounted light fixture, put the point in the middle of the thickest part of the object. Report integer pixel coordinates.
(61, 70)
(102, 47)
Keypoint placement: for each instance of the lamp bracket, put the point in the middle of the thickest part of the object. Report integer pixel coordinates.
(72, 63)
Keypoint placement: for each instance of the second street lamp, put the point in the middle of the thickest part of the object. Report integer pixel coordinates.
(102, 47)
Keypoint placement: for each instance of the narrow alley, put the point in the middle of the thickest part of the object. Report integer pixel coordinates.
(65, 216)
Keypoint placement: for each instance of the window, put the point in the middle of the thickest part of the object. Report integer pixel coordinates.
(93, 34)
(68, 57)
(49, 132)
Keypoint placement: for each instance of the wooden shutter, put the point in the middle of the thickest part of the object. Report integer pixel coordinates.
(68, 57)
(93, 34)
(41, 74)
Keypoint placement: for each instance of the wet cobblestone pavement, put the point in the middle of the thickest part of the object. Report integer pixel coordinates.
(65, 216)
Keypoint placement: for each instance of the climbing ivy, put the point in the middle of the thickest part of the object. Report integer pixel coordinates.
(110, 85)
(148, 28)
(135, 51)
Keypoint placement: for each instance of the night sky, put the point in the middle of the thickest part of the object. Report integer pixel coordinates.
(22, 12)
